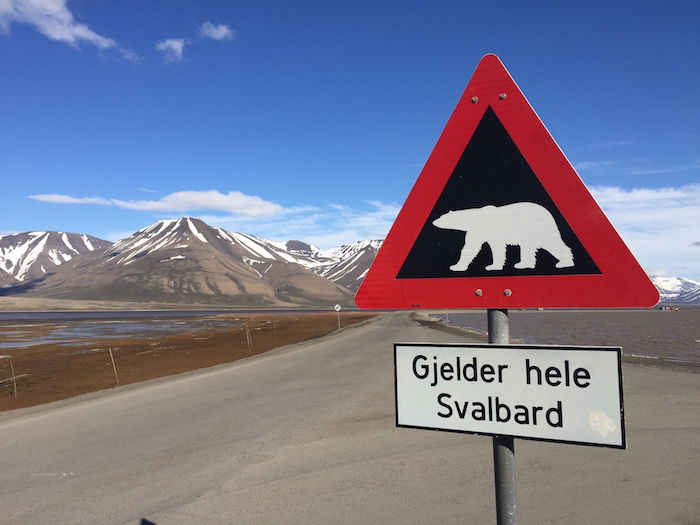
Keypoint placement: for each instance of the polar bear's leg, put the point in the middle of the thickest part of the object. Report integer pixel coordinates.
(527, 257)
(562, 252)
(469, 251)
(498, 253)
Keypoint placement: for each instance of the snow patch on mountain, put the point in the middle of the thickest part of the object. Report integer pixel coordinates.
(32, 255)
(194, 230)
(173, 258)
(677, 290)
(65, 240)
(248, 241)
(87, 243)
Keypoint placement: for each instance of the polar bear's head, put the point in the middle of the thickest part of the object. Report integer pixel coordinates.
(455, 219)
(445, 221)
(466, 219)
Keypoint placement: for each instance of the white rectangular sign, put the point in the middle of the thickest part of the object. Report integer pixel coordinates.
(569, 394)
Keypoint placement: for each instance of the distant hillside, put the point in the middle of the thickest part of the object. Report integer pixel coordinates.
(26, 256)
(677, 290)
(187, 261)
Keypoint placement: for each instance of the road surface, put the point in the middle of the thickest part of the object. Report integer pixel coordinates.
(306, 435)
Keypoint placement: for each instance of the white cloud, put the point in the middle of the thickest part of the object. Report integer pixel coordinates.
(593, 164)
(372, 223)
(220, 32)
(659, 225)
(231, 202)
(128, 54)
(631, 167)
(67, 199)
(614, 195)
(53, 19)
(172, 49)
(181, 201)
(682, 168)
(326, 225)
(608, 144)
(613, 143)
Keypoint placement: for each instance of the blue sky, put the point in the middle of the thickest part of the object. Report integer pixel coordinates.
(312, 119)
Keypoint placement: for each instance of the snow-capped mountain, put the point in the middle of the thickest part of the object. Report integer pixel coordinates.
(345, 265)
(26, 256)
(348, 264)
(176, 234)
(187, 261)
(677, 290)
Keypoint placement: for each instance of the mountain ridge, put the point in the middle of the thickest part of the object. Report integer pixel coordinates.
(677, 290)
(187, 261)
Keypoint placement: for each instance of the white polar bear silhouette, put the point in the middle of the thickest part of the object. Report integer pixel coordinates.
(523, 224)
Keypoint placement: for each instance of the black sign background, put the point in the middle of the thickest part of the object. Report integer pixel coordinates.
(491, 171)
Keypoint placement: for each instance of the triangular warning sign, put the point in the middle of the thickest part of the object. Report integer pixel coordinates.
(498, 218)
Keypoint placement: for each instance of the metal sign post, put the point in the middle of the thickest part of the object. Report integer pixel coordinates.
(503, 446)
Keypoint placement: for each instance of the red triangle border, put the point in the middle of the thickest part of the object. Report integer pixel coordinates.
(621, 283)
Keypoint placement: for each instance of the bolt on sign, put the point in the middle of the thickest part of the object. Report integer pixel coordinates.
(498, 218)
(568, 394)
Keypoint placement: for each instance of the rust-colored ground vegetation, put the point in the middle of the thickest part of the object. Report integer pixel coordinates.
(52, 371)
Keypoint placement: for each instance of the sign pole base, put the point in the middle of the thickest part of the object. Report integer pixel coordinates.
(503, 446)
